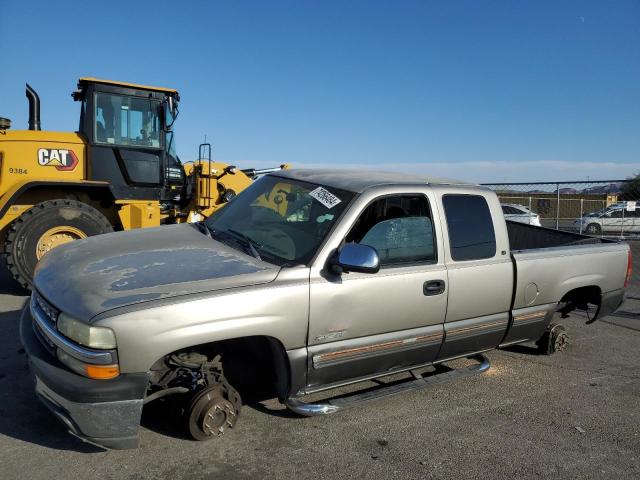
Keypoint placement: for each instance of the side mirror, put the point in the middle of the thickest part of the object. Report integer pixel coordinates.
(170, 112)
(354, 257)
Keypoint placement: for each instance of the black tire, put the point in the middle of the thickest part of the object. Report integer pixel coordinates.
(212, 411)
(22, 246)
(593, 229)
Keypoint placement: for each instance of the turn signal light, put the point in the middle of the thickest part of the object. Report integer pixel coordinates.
(102, 372)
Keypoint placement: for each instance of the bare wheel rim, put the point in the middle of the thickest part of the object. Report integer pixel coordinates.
(56, 236)
(561, 341)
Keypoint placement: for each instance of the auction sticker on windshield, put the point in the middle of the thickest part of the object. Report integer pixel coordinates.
(325, 197)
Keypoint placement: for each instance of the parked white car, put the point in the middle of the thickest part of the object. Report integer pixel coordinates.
(520, 214)
(620, 218)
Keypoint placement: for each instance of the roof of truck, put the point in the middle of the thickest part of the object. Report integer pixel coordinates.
(359, 180)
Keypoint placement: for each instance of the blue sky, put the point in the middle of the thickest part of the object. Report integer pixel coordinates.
(483, 91)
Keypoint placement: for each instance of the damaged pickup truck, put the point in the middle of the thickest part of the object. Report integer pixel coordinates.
(307, 281)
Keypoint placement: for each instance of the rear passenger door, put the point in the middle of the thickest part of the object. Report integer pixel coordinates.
(632, 224)
(480, 272)
(366, 324)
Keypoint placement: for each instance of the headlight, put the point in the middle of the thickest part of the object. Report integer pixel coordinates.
(84, 334)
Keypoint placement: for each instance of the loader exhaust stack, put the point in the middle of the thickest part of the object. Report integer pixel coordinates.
(34, 108)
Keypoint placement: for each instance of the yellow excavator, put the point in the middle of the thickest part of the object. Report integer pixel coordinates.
(119, 171)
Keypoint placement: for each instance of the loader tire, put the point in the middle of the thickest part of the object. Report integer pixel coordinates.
(45, 226)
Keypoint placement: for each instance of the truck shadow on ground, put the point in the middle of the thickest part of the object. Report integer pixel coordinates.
(623, 322)
(523, 349)
(167, 417)
(22, 416)
(8, 286)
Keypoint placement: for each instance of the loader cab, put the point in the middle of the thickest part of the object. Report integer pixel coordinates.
(130, 141)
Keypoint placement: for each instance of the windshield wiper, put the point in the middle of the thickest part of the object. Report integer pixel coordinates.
(203, 228)
(250, 242)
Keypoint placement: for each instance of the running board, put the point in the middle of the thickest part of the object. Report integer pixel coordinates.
(416, 383)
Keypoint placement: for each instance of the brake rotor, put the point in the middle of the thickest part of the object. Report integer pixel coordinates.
(211, 414)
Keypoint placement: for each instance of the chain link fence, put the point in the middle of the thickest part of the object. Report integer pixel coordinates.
(604, 208)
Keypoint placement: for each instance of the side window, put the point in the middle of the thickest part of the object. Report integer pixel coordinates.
(128, 121)
(399, 228)
(471, 232)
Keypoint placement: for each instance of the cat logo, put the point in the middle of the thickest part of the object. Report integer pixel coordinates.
(64, 160)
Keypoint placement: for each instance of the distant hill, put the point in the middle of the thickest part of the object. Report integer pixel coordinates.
(608, 188)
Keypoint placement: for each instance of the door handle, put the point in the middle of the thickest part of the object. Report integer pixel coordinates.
(433, 287)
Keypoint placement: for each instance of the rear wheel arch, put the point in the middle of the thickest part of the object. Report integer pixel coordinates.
(581, 297)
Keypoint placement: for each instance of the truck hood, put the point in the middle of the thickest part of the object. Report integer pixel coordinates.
(87, 277)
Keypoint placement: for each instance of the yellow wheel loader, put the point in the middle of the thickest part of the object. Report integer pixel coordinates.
(117, 172)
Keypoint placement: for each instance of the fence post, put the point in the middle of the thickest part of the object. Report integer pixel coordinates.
(557, 206)
(581, 212)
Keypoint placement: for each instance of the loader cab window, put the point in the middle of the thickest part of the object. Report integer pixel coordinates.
(128, 121)
(170, 146)
(170, 138)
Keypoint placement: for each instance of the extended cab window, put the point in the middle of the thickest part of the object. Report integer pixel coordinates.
(471, 232)
(399, 228)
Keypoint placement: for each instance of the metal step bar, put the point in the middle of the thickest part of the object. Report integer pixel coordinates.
(419, 381)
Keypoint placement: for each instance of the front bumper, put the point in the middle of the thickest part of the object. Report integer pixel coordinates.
(103, 412)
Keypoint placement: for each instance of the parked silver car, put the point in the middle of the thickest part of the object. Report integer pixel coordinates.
(620, 218)
(519, 213)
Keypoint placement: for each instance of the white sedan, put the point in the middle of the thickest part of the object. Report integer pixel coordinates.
(519, 213)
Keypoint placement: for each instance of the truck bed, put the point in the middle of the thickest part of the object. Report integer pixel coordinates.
(549, 263)
(529, 237)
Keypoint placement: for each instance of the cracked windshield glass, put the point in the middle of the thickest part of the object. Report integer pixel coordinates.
(279, 220)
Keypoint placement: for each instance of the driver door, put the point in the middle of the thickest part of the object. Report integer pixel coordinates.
(364, 325)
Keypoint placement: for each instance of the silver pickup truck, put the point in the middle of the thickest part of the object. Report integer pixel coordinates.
(307, 281)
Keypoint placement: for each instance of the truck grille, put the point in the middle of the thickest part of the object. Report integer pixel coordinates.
(50, 312)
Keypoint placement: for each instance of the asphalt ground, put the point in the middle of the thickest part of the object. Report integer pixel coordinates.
(571, 415)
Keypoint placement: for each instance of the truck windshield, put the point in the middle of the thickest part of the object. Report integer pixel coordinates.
(279, 220)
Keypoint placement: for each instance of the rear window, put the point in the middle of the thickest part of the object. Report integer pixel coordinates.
(471, 232)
